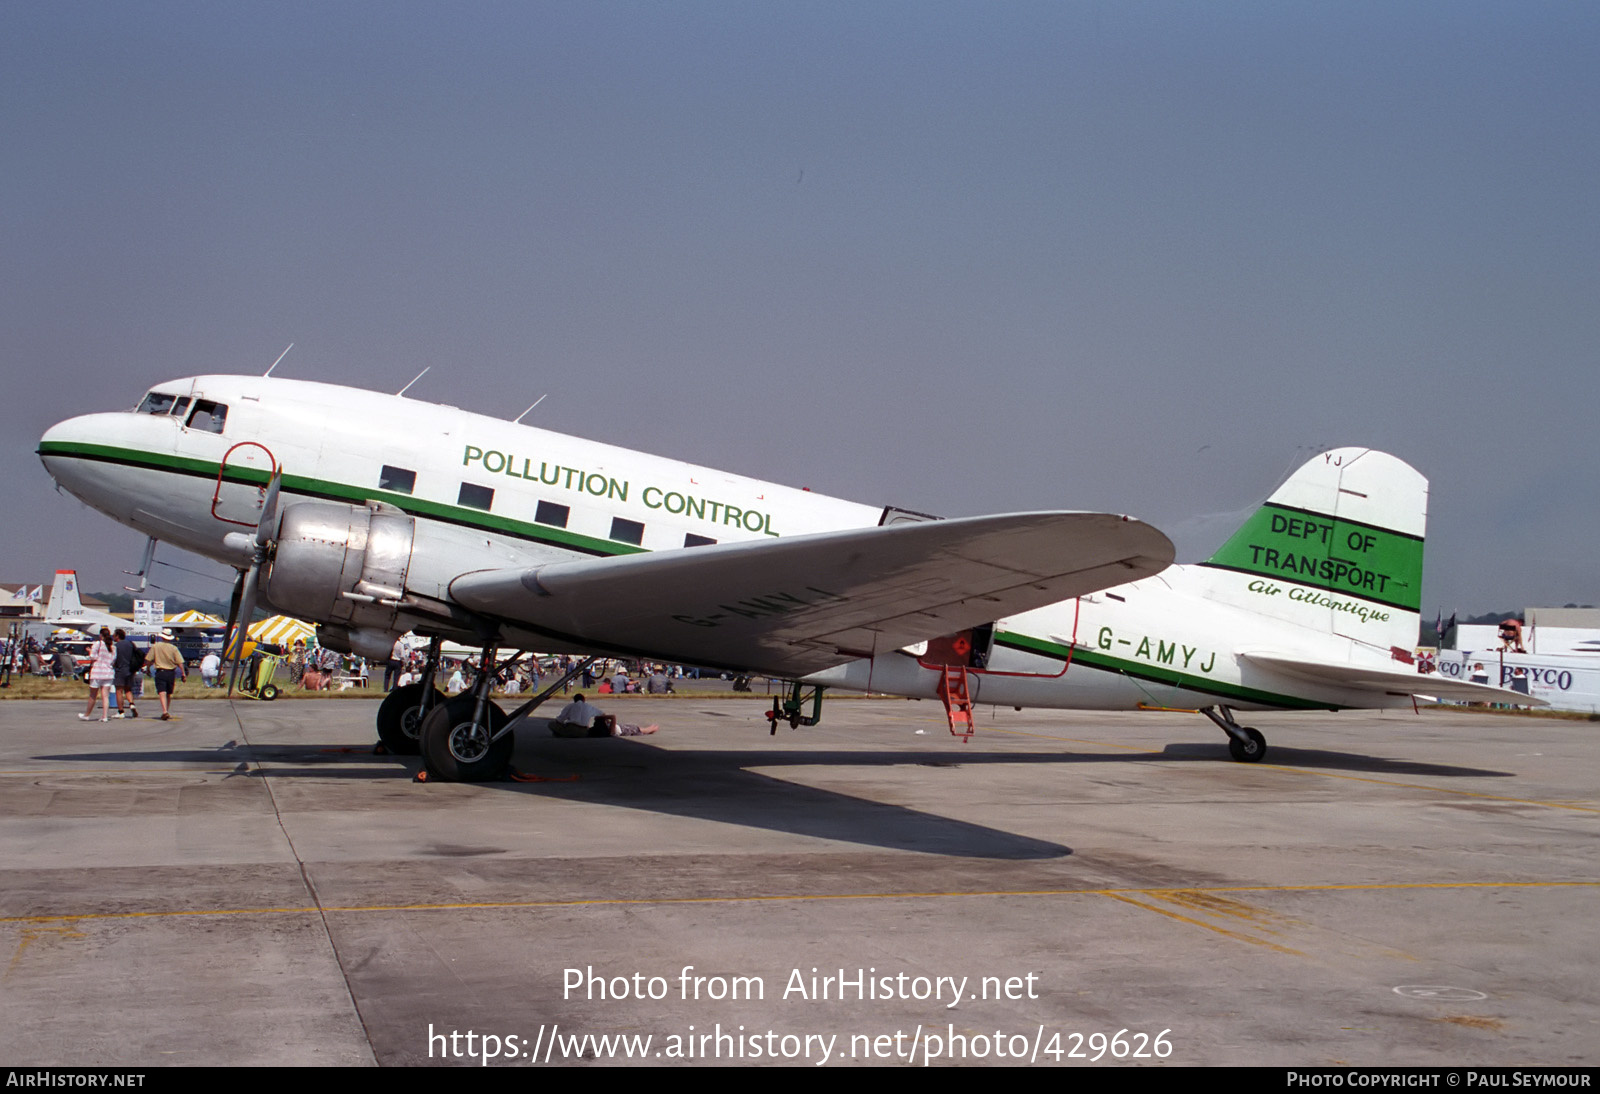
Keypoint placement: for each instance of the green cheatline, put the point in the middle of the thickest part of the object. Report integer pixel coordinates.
(336, 491)
(1341, 556)
(1154, 673)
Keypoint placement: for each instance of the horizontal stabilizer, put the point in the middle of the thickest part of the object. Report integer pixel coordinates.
(797, 605)
(1386, 681)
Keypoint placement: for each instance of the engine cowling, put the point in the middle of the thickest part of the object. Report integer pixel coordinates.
(344, 566)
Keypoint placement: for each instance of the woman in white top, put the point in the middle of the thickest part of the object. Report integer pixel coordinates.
(102, 673)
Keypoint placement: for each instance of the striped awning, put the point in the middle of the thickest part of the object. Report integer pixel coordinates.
(281, 630)
(192, 616)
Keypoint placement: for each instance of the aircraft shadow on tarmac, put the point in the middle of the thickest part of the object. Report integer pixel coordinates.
(705, 785)
(719, 785)
(1316, 759)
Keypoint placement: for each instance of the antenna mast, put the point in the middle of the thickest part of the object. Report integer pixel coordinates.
(274, 364)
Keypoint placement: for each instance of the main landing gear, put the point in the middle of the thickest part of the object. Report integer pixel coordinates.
(1245, 744)
(462, 739)
(460, 744)
(401, 714)
(468, 739)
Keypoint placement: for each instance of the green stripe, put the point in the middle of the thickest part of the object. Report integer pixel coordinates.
(1341, 556)
(1155, 674)
(301, 484)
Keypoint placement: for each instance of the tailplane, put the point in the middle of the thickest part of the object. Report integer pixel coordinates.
(1336, 548)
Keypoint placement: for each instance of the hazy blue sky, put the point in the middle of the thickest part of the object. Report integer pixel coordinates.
(957, 257)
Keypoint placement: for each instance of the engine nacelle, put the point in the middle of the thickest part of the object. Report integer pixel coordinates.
(361, 641)
(343, 565)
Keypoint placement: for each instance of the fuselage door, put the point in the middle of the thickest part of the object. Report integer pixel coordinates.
(240, 491)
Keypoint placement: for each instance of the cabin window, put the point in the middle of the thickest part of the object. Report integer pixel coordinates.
(208, 416)
(692, 540)
(552, 514)
(475, 497)
(627, 531)
(397, 479)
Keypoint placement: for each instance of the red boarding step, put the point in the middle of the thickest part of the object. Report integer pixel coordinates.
(957, 702)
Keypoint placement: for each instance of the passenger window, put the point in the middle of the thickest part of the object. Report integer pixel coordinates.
(627, 531)
(475, 497)
(397, 479)
(692, 540)
(551, 513)
(208, 416)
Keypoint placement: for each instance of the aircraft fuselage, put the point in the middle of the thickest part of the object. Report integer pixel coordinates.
(474, 493)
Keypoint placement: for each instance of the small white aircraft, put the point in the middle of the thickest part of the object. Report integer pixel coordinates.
(66, 609)
(375, 514)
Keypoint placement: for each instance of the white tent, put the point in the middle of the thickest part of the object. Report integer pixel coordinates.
(281, 630)
(192, 617)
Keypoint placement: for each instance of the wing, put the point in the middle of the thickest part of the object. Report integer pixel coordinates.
(1384, 681)
(793, 606)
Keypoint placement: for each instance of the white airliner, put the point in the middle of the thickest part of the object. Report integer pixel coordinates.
(375, 514)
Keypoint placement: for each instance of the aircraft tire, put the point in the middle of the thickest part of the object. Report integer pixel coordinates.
(1251, 753)
(458, 750)
(400, 722)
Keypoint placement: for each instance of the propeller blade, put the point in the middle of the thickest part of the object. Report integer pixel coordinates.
(247, 607)
(268, 524)
(244, 593)
(228, 642)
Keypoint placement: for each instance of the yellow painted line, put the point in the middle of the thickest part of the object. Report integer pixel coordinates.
(1236, 935)
(1165, 891)
(1436, 789)
(120, 771)
(34, 934)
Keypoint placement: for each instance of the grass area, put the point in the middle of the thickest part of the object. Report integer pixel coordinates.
(1519, 712)
(34, 687)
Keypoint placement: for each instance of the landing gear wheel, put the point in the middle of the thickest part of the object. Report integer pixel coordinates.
(268, 692)
(457, 749)
(1251, 752)
(400, 720)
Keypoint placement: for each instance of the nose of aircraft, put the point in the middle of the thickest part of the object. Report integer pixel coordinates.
(83, 454)
(69, 430)
(63, 446)
(70, 438)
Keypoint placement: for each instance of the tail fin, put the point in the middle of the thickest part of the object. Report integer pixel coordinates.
(1337, 548)
(64, 603)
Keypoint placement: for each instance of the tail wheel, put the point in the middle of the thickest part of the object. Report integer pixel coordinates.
(400, 718)
(458, 749)
(1251, 751)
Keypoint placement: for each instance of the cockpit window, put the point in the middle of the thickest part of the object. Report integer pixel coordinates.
(157, 402)
(162, 402)
(208, 416)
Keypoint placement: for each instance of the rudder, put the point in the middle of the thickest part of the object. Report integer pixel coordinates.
(64, 602)
(1337, 547)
